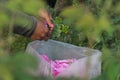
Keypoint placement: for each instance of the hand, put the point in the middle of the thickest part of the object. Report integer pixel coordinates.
(41, 32)
(44, 14)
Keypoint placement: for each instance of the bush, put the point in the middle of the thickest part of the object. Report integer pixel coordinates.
(88, 23)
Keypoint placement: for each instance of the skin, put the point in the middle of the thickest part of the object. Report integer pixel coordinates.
(44, 27)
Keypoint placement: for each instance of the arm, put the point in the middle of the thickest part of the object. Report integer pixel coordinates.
(22, 24)
(27, 25)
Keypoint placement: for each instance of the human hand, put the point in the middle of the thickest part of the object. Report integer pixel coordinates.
(44, 14)
(41, 32)
(44, 26)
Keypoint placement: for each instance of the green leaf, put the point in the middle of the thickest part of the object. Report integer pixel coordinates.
(71, 14)
(5, 73)
(25, 61)
(3, 20)
(117, 8)
(26, 6)
(104, 25)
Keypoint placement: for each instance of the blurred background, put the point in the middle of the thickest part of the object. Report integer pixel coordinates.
(87, 23)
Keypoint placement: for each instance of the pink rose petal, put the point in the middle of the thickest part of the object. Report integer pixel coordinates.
(58, 66)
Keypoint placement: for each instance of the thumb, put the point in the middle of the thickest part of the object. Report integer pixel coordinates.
(47, 18)
(49, 22)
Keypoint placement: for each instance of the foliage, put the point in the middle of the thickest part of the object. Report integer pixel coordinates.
(91, 12)
(59, 28)
(20, 65)
(19, 44)
(100, 25)
(25, 6)
(93, 23)
(17, 67)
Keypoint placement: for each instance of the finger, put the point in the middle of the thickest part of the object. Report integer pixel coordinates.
(45, 38)
(35, 38)
(49, 22)
(44, 35)
(47, 18)
(43, 28)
